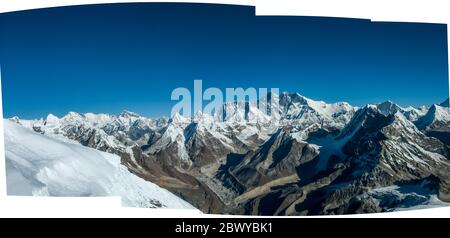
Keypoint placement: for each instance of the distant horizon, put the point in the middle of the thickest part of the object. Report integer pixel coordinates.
(106, 58)
(168, 115)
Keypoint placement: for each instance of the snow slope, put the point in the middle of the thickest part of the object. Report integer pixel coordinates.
(409, 197)
(42, 166)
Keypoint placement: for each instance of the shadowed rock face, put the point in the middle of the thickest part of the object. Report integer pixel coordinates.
(317, 159)
(383, 151)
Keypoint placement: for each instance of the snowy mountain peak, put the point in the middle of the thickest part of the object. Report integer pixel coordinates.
(399, 117)
(128, 114)
(15, 119)
(308, 112)
(179, 119)
(203, 118)
(389, 107)
(436, 114)
(72, 116)
(52, 118)
(423, 108)
(360, 119)
(440, 113)
(319, 106)
(288, 98)
(411, 113)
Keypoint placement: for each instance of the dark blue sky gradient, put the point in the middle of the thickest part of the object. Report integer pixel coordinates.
(106, 58)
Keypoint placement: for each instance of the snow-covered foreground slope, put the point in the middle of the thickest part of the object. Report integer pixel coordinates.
(42, 166)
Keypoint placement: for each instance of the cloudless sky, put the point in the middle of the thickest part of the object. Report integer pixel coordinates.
(107, 58)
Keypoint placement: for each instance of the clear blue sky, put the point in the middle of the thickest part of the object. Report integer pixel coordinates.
(106, 58)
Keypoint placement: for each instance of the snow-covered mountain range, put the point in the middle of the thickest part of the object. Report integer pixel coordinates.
(315, 158)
